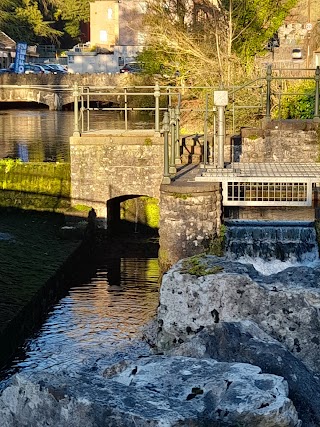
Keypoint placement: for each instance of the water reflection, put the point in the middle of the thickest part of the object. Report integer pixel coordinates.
(35, 135)
(41, 135)
(97, 320)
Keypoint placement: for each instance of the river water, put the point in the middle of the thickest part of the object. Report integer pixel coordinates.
(40, 135)
(103, 312)
(100, 318)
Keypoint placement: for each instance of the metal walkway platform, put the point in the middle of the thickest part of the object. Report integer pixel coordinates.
(264, 184)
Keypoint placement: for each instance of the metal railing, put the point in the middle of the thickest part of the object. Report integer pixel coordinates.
(280, 76)
(168, 107)
(119, 97)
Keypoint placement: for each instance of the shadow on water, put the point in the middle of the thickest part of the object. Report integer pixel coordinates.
(110, 294)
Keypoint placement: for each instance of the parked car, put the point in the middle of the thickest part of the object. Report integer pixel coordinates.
(35, 69)
(30, 69)
(296, 53)
(46, 68)
(131, 67)
(57, 68)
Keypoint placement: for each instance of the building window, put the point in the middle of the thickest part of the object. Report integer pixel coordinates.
(103, 36)
(109, 15)
(140, 38)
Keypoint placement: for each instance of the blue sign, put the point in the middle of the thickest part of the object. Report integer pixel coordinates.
(21, 51)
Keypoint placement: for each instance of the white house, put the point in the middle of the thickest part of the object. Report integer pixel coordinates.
(116, 36)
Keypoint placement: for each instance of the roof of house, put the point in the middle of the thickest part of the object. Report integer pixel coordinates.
(6, 41)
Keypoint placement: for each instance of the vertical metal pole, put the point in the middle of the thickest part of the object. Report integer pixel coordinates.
(205, 134)
(279, 102)
(88, 109)
(233, 115)
(212, 151)
(177, 160)
(76, 131)
(165, 130)
(125, 109)
(221, 136)
(268, 101)
(82, 113)
(157, 107)
(316, 103)
(172, 168)
(169, 97)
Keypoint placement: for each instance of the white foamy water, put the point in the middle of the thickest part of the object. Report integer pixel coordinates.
(268, 267)
(272, 247)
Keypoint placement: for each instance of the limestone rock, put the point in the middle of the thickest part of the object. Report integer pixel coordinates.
(245, 342)
(284, 305)
(154, 392)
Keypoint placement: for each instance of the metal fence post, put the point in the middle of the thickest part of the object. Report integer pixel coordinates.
(76, 131)
(172, 168)
(205, 134)
(316, 102)
(165, 130)
(125, 109)
(268, 100)
(157, 107)
(88, 108)
(81, 113)
(220, 102)
(213, 141)
(177, 160)
(221, 135)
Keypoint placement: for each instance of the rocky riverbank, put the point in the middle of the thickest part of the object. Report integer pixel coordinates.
(229, 312)
(238, 349)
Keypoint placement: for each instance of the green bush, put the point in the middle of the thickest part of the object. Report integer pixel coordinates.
(298, 103)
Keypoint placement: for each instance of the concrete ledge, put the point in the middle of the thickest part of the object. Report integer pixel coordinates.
(118, 137)
(189, 187)
(291, 124)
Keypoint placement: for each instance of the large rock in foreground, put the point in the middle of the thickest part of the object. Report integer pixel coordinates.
(245, 342)
(154, 392)
(284, 305)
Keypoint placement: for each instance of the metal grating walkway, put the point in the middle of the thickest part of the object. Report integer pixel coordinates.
(264, 184)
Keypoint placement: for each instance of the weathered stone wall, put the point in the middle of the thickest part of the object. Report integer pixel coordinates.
(285, 141)
(189, 218)
(115, 164)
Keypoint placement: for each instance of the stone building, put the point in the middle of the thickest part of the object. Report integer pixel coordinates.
(116, 37)
(300, 30)
(7, 50)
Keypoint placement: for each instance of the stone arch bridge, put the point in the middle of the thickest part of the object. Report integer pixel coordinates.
(109, 167)
(114, 166)
(54, 91)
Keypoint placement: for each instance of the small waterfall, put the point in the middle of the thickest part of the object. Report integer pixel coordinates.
(284, 243)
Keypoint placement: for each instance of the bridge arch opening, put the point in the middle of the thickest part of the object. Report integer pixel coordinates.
(133, 213)
(22, 105)
(93, 104)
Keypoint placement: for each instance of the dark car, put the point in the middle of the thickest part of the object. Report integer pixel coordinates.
(131, 67)
(30, 69)
(46, 68)
(57, 68)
